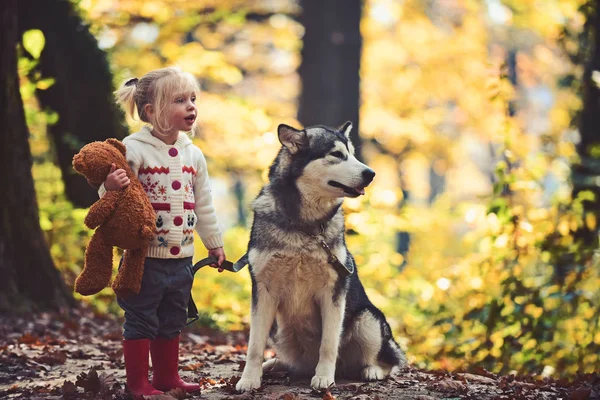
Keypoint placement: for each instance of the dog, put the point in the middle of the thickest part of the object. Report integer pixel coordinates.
(306, 293)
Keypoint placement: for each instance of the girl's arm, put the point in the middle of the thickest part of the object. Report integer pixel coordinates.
(207, 225)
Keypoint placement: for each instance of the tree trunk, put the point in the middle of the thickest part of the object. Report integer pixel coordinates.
(330, 65)
(586, 174)
(82, 93)
(29, 279)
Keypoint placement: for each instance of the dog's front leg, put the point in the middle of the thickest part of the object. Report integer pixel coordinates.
(261, 320)
(332, 315)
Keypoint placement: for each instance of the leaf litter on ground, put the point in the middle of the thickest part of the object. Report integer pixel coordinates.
(76, 354)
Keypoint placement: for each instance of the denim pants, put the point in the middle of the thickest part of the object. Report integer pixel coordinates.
(160, 309)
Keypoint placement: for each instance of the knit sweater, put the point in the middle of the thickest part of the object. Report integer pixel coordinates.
(175, 179)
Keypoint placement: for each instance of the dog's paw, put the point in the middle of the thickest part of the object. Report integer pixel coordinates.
(373, 373)
(321, 381)
(247, 384)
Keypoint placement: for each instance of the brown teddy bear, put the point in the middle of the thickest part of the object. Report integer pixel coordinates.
(123, 218)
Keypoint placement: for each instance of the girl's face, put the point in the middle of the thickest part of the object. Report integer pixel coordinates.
(182, 112)
(180, 115)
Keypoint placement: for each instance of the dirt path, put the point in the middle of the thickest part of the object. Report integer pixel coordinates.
(77, 355)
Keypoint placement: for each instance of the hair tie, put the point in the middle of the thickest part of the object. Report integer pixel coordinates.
(132, 81)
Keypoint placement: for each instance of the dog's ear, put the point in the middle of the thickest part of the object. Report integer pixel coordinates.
(292, 138)
(345, 128)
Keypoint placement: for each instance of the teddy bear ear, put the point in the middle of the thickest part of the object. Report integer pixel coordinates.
(120, 146)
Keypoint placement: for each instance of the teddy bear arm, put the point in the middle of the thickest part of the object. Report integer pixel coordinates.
(102, 209)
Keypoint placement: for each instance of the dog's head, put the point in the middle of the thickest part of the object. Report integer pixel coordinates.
(321, 162)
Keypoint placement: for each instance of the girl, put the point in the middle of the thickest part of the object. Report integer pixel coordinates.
(173, 172)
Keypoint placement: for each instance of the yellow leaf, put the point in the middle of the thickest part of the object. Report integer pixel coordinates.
(44, 84)
(563, 227)
(533, 310)
(590, 221)
(34, 42)
(530, 344)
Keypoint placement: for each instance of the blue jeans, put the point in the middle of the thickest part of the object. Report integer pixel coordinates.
(160, 309)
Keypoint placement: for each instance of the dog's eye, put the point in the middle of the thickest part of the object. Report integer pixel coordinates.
(337, 154)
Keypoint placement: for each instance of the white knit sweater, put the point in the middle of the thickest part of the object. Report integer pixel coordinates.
(175, 179)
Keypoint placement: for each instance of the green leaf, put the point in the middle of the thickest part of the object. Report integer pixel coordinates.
(44, 84)
(34, 42)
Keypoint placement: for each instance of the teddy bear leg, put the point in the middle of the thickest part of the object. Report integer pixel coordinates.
(97, 269)
(130, 274)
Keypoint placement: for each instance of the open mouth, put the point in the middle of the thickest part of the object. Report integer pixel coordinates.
(348, 191)
(190, 118)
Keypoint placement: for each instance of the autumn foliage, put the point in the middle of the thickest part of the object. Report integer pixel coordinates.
(467, 117)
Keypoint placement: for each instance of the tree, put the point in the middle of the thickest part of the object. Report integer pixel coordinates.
(29, 278)
(587, 172)
(82, 92)
(82, 97)
(330, 65)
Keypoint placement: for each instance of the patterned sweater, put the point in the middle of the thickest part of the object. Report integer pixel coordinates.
(175, 179)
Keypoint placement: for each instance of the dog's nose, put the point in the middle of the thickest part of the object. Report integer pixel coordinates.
(368, 175)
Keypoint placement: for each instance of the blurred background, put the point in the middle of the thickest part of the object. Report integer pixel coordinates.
(478, 235)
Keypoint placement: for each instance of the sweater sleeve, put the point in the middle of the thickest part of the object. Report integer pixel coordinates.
(207, 225)
(134, 163)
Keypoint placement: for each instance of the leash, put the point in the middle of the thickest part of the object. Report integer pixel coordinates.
(227, 265)
(335, 262)
(192, 310)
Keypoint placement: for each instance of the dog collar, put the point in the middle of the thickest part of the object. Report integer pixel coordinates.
(335, 262)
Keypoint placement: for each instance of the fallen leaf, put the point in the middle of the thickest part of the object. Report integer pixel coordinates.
(580, 394)
(69, 390)
(90, 382)
(192, 367)
(288, 396)
(478, 378)
(209, 381)
(13, 388)
(179, 393)
(328, 396)
(52, 358)
(28, 338)
(448, 385)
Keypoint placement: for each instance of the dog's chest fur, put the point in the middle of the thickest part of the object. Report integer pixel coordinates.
(296, 282)
(295, 277)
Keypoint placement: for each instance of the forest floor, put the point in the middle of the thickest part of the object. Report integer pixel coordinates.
(77, 355)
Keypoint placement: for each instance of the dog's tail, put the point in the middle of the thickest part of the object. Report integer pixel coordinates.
(392, 354)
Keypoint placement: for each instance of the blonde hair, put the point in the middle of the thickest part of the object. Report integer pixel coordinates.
(157, 88)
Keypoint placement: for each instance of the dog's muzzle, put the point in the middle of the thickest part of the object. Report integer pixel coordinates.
(367, 177)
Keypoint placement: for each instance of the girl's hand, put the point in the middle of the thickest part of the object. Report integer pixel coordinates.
(116, 179)
(219, 253)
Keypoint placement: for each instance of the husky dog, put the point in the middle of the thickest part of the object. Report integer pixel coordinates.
(305, 288)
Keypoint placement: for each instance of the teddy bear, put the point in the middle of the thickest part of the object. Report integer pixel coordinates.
(123, 218)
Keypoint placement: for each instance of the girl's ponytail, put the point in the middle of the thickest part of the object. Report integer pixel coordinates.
(125, 96)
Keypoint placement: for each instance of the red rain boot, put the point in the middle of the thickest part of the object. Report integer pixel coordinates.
(136, 367)
(165, 359)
